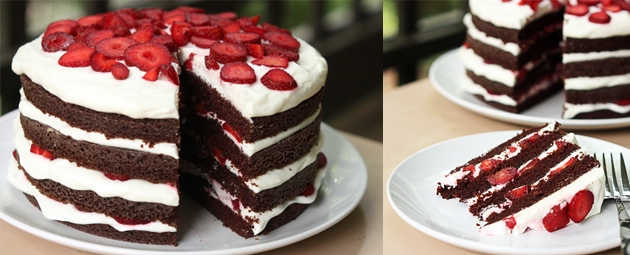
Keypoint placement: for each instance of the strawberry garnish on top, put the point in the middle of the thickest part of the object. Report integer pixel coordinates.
(100, 63)
(275, 50)
(228, 52)
(181, 32)
(57, 41)
(282, 40)
(147, 56)
(170, 73)
(255, 50)
(79, 57)
(272, 61)
(210, 32)
(67, 26)
(255, 29)
(577, 10)
(95, 37)
(143, 34)
(238, 73)
(114, 47)
(231, 27)
(277, 79)
(599, 18)
(272, 28)
(112, 19)
(198, 19)
(242, 38)
(202, 42)
(120, 71)
(211, 63)
(167, 41)
(90, 20)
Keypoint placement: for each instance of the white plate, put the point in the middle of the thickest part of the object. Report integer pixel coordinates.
(199, 232)
(411, 190)
(445, 75)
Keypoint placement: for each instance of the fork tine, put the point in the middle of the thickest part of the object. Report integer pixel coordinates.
(608, 192)
(616, 189)
(624, 176)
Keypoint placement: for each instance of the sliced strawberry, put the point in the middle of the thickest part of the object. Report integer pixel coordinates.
(143, 35)
(256, 51)
(624, 5)
(275, 50)
(560, 144)
(238, 73)
(181, 32)
(189, 9)
(623, 102)
(88, 29)
(57, 41)
(120, 31)
(529, 140)
(120, 71)
(231, 27)
(152, 75)
(210, 32)
(580, 205)
(489, 164)
(284, 41)
(517, 193)
(90, 20)
(577, 10)
(227, 52)
(100, 63)
(170, 73)
(211, 63)
(242, 38)
(146, 56)
(510, 222)
(15, 154)
(599, 18)
(127, 221)
(112, 19)
(272, 28)
(202, 42)
(95, 37)
(116, 177)
(512, 149)
(322, 160)
(230, 130)
(198, 19)
(255, 19)
(469, 168)
(606, 2)
(75, 45)
(529, 166)
(114, 47)
(308, 190)
(236, 205)
(135, 14)
(502, 176)
(557, 218)
(245, 21)
(59, 28)
(174, 15)
(612, 8)
(154, 14)
(277, 79)
(188, 63)
(227, 15)
(218, 155)
(272, 61)
(571, 161)
(219, 22)
(167, 41)
(39, 151)
(588, 2)
(76, 58)
(255, 29)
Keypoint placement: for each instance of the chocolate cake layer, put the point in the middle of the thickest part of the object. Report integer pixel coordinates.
(202, 134)
(548, 22)
(107, 231)
(109, 124)
(193, 187)
(557, 86)
(613, 94)
(597, 68)
(156, 168)
(601, 114)
(199, 95)
(613, 43)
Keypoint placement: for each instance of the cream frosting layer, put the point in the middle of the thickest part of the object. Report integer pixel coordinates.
(256, 100)
(508, 14)
(54, 210)
(589, 83)
(263, 217)
(133, 97)
(581, 27)
(510, 47)
(476, 64)
(80, 178)
(588, 56)
(29, 110)
(469, 86)
(571, 110)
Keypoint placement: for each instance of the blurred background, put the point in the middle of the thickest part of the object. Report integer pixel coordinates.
(346, 32)
(415, 33)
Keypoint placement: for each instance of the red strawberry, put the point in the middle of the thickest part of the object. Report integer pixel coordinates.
(231, 27)
(15, 154)
(100, 63)
(167, 41)
(155, 14)
(210, 32)
(95, 37)
(135, 14)
(189, 9)
(218, 155)
(127, 221)
(529, 166)
(277, 79)
(58, 28)
(512, 149)
(236, 205)
(120, 71)
(560, 144)
(255, 29)
(612, 8)
(580, 205)
(112, 19)
(227, 15)
(120, 31)
(219, 22)
(39, 151)
(90, 20)
(272, 28)
(143, 34)
(255, 19)
(79, 57)
(229, 129)
(606, 2)
(557, 218)
(321, 160)
(529, 140)
(245, 21)
(75, 45)
(116, 177)
(227, 52)
(238, 73)
(510, 222)
(170, 18)
(114, 47)
(202, 42)
(146, 56)
(275, 50)
(127, 18)
(242, 38)
(577, 10)
(502, 176)
(568, 163)
(256, 51)
(170, 73)
(517, 193)
(181, 32)
(624, 5)
(57, 41)
(588, 2)
(308, 190)
(489, 164)
(211, 63)
(152, 75)
(188, 62)
(198, 19)
(599, 18)
(469, 168)
(85, 30)
(284, 41)
(623, 102)
(272, 61)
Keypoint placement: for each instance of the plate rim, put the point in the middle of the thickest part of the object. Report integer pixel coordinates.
(483, 247)
(259, 247)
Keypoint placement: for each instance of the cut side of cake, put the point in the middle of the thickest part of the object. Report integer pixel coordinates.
(540, 179)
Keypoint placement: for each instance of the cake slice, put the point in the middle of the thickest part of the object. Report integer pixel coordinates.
(540, 179)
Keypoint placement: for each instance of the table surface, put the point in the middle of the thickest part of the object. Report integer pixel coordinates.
(361, 232)
(417, 116)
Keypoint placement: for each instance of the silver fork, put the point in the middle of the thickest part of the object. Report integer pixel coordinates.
(614, 191)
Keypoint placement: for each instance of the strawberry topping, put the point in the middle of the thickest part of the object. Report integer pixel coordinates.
(95, 37)
(242, 38)
(211, 63)
(272, 28)
(210, 32)
(120, 71)
(599, 18)
(113, 19)
(275, 50)
(238, 73)
(57, 41)
(198, 19)
(202, 42)
(100, 63)
(227, 52)
(152, 75)
(589, 2)
(170, 73)
(557, 218)
(181, 32)
(188, 63)
(143, 34)
(277, 79)
(255, 29)
(502, 176)
(90, 20)
(114, 47)
(167, 41)
(272, 61)
(255, 50)
(282, 40)
(577, 10)
(79, 57)
(580, 205)
(146, 56)
(612, 8)
(232, 27)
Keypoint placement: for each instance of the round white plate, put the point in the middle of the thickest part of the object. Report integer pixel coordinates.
(199, 232)
(411, 190)
(445, 75)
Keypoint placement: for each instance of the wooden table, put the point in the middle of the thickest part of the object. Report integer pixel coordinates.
(417, 116)
(361, 232)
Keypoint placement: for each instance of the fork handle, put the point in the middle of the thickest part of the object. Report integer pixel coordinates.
(624, 227)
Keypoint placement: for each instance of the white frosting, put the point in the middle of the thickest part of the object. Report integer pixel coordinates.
(508, 14)
(264, 217)
(256, 100)
(133, 97)
(510, 47)
(581, 27)
(29, 110)
(475, 63)
(469, 86)
(589, 83)
(571, 110)
(79, 178)
(54, 210)
(579, 57)
(276, 177)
